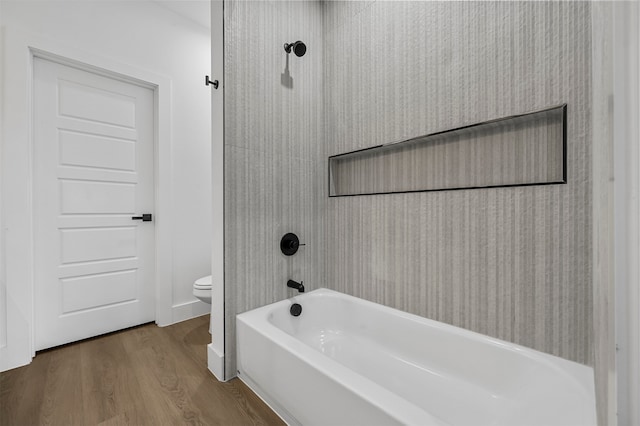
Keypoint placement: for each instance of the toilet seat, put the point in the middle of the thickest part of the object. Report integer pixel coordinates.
(203, 283)
(202, 289)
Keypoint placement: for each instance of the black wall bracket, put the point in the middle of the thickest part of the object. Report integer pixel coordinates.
(214, 83)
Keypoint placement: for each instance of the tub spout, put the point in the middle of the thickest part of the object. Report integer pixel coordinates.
(297, 285)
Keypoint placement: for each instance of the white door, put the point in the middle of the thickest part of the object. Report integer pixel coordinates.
(93, 158)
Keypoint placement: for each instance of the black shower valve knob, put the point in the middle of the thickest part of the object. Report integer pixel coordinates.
(289, 244)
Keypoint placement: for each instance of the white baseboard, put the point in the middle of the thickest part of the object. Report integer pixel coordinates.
(188, 310)
(215, 362)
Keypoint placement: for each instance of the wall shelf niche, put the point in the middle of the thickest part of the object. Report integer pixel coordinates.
(519, 150)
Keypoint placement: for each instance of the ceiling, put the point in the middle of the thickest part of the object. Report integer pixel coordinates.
(197, 11)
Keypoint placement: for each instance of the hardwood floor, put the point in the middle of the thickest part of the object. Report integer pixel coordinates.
(145, 375)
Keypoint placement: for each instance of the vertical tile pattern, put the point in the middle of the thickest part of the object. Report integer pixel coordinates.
(274, 158)
(514, 263)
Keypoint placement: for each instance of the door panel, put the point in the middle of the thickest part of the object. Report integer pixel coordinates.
(93, 157)
(87, 150)
(78, 197)
(92, 103)
(90, 291)
(97, 243)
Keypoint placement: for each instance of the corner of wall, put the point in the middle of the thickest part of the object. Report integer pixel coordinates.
(603, 221)
(625, 311)
(3, 282)
(215, 363)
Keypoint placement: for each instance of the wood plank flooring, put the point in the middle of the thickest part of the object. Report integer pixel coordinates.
(145, 375)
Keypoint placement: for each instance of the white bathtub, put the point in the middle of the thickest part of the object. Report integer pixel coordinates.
(346, 361)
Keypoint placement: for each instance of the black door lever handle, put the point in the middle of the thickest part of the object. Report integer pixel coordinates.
(145, 217)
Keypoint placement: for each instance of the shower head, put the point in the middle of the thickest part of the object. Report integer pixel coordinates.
(299, 48)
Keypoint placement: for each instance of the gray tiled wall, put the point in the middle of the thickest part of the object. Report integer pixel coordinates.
(514, 263)
(275, 179)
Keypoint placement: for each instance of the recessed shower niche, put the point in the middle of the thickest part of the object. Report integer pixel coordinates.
(519, 150)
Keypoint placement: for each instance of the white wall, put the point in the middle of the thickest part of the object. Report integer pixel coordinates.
(149, 36)
(3, 294)
(216, 349)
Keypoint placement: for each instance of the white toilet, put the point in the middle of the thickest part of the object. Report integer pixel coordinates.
(202, 289)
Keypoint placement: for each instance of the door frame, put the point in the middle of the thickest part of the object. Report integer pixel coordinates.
(20, 49)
